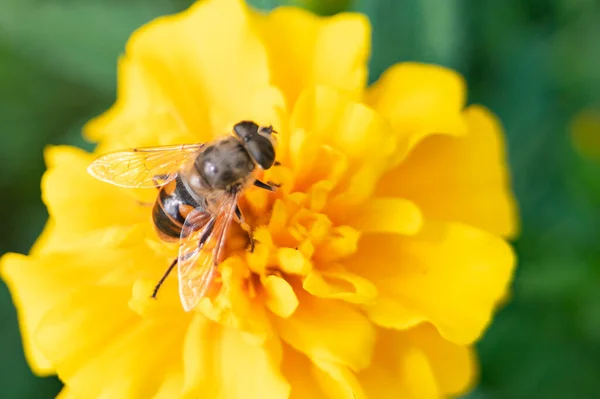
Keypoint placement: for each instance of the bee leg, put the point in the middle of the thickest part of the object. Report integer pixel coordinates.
(265, 186)
(163, 278)
(245, 226)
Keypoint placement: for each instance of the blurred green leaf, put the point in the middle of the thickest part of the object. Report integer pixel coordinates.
(77, 40)
(549, 280)
(414, 30)
(320, 7)
(16, 379)
(576, 50)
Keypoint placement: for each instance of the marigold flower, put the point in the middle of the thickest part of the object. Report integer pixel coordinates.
(379, 262)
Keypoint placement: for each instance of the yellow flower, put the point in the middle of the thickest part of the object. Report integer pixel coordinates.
(380, 259)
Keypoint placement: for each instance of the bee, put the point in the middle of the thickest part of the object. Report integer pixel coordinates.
(199, 186)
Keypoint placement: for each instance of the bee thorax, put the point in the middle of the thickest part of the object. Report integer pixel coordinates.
(224, 164)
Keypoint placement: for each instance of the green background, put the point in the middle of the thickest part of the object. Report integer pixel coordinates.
(536, 63)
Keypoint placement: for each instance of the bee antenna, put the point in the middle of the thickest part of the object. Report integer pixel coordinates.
(268, 129)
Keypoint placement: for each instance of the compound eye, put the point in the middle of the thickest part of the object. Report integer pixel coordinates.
(262, 151)
(245, 129)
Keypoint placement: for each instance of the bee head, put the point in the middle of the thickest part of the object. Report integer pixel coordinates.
(258, 141)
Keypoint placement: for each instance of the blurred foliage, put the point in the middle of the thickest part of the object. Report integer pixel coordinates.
(321, 7)
(534, 62)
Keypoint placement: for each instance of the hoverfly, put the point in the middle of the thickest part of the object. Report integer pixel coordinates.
(199, 185)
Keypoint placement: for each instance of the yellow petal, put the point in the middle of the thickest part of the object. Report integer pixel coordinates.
(44, 239)
(419, 100)
(359, 187)
(299, 371)
(336, 120)
(335, 138)
(77, 202)
(173, 381)
(292, 261)
(281, 298)
(310, 225)
(53, 240)
(342, 242)
(453, 366)
(338, 382)
(463, 179)
(329, 51)
(392, 313)
(200, 342)
(206, 82)
(318, 195)
(95, 320)
(451, 274)
(306, 332)
(144, 114)
(337, 283)
(303, 155)
(220, 363)
(267, 108)
(234, 305)
(257, 259)
(324, 380)
(399, 370)
(387, 215)
(166, 304)
(277, 223)
(19, 273)
(37, 284)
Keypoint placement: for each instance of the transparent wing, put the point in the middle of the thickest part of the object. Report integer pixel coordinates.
(143, 167)
(201, 247)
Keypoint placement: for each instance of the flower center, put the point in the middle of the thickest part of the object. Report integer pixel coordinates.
(295, 240)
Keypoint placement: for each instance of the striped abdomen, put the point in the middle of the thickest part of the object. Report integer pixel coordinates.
(173, 204)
